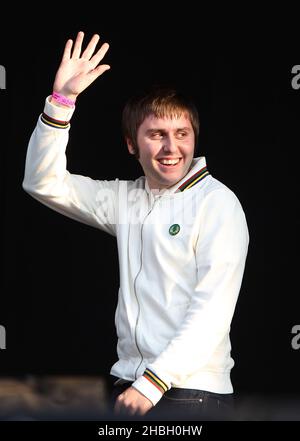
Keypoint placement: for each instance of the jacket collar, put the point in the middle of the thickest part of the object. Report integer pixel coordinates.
(197, 172)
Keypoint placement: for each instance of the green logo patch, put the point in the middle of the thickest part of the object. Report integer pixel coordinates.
(174, 229)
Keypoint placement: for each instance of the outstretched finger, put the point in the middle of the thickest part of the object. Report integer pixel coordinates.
(95, 60)
(90, 47)
(67, 50)
(95, 73)
(77, 46)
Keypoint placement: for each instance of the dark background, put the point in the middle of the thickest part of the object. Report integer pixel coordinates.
(60, 278)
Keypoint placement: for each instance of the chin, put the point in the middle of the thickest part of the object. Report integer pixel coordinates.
(169, 183)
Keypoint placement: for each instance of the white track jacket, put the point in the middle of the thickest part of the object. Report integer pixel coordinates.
(182, 254)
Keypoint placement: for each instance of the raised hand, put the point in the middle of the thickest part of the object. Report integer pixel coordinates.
(77, 71)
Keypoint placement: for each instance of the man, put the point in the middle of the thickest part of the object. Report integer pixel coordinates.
(182, 241)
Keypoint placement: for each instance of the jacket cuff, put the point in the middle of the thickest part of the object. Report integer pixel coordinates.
(57, 112)
(151, 386)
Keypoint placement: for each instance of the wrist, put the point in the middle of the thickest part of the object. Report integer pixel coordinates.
(57, 111)
(148, 389)
(63, 100)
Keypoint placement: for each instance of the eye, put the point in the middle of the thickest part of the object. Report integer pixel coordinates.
(181, 134)
(156, 135)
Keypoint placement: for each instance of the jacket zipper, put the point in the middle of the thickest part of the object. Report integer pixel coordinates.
(139, 308)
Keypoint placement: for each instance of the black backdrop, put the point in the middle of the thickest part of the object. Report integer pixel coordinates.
(60, 278)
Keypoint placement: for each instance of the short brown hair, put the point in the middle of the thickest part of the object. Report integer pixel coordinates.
(160, 102)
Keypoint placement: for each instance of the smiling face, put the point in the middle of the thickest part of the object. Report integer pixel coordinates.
(166, 149)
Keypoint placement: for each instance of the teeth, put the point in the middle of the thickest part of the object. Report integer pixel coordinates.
(169, 161)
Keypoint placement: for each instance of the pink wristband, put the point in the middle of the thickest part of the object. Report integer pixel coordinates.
(63, 99)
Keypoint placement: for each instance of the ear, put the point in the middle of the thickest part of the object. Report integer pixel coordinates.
(130, 147)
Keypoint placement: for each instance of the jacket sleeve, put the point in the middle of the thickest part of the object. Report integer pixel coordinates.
(47, 179)
(220, 255)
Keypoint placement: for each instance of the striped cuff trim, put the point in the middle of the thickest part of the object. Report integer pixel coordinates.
(155, 380)
(54, 122)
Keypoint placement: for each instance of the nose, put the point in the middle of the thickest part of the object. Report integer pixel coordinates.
(170, 144)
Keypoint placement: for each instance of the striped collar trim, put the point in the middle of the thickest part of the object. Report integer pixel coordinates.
(194, 179)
